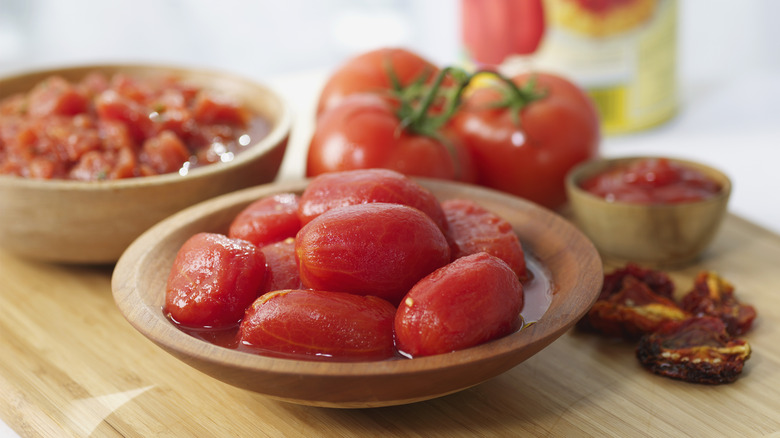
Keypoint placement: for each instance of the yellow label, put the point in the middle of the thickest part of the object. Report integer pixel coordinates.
(611, 103)
(625, 58)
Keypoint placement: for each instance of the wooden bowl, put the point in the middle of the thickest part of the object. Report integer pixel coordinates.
(570, 261)
(663, 235)
(94, 222)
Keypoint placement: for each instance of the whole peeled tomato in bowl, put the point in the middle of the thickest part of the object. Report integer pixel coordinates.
(297, 356)
(524, 135)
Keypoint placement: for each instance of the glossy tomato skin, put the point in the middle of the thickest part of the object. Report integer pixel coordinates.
(474, 229)
(281, 267)
(370, 249)
(364, 132)
(530, 159)
(267, 220)
(470, 301)
(213, 280)
(368, 73)
(320, 324)
(364, 186)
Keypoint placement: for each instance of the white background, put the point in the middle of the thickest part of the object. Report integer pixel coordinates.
(728, 64)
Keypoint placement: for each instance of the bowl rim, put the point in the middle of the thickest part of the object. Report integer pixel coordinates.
(280, 129)
(152, 324)
(591, 167)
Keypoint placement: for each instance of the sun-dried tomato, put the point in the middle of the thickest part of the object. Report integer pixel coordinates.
(713, 296)
(657, 281)
(697, 350)
(632, 311)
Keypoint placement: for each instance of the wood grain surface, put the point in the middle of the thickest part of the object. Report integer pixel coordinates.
(70, 365)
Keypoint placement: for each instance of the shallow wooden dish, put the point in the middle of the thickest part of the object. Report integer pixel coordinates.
(572, 263)
(94, 222)
(664, 235)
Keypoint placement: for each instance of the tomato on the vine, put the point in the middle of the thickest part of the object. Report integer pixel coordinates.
(365, 131)
(525, 139)
(374, 72)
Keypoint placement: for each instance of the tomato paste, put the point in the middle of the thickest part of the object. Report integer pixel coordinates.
(112, 127)
(652, 181)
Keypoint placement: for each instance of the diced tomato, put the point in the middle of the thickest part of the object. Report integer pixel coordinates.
(143, 126)
(111, 105)
(126, 165)
(56, 97)
(115, 135)
(164, 153)
(92, 166)
(80, 137)
(130, 88)
(211, 109)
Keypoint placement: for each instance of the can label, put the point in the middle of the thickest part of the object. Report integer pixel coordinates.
(622, 52)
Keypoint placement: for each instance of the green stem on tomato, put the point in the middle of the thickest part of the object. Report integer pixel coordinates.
(415, 102)
(515, 98)
(417, 118)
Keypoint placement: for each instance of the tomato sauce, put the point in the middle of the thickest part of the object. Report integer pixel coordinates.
(652, 181)
(104, 128)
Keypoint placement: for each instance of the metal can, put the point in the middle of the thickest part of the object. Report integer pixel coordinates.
(622, 52)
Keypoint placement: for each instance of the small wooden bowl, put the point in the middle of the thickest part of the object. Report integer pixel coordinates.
(571, 262)
(662, 235)
(94, 222)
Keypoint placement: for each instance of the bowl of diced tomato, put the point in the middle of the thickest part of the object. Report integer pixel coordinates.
(91, 156)
(656, 210)
(361, 288)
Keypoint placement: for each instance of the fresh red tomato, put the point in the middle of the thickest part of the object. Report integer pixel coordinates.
(213, 280)
(473, 229)
(319, 324)
(352, 187)
(527, 148)
(364, 131)
(267, 220)
(372, 72)
(370, 249)
(470, 301)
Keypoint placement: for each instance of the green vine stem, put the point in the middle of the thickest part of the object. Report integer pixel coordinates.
(415, 111)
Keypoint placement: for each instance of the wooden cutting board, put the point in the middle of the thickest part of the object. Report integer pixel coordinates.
(70, 365)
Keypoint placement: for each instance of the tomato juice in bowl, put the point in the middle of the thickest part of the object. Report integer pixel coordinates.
(656, 210)
(93, 221)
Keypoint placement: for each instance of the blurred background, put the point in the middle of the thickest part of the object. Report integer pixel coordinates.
(717, 38)
(728, 61)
